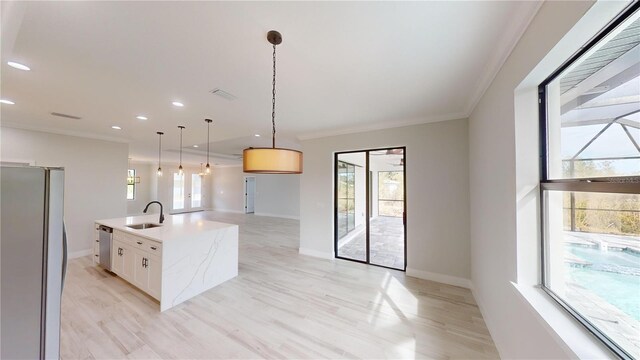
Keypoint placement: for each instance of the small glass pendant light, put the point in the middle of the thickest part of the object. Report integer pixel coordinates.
(180, 171)
(208, 167)
(159, 151)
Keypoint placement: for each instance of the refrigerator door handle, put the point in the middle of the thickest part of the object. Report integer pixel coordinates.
(64, 255)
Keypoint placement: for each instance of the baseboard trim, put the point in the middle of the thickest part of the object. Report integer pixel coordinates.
(81, 253)
(315, 253)
(278, 216)
(441, 278)
(229, 211)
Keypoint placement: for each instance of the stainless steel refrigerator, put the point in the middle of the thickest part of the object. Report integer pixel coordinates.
(33, 261)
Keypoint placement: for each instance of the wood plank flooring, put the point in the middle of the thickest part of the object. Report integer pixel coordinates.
(282, 305)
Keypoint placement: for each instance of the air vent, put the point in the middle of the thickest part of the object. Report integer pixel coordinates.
(66, 116)
(223, 94)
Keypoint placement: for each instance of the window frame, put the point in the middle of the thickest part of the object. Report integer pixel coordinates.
(132, 184)
(614, 185)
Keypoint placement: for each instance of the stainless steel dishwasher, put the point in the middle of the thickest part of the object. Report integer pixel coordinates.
(106, 236)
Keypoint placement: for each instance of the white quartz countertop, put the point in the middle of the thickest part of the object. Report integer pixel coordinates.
(174, 227)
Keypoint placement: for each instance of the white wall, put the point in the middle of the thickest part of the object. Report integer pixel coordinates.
(276, 195)
(503, 190)
(437, 195)
(143, 194)
(228, 189)
(95, 177)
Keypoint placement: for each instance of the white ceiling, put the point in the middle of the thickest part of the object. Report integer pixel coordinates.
(343, 66)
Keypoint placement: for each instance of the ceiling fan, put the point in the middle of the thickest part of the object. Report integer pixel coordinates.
(400, 163)
(388, 152)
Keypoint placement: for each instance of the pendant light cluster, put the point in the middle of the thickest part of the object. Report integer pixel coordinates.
(207, 170)
(272, 160)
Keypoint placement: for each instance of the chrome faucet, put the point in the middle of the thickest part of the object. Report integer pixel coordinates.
(159, 203)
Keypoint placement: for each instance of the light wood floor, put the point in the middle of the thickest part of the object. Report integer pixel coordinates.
(282, 305)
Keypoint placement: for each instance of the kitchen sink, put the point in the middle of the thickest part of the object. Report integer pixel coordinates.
(143, 226)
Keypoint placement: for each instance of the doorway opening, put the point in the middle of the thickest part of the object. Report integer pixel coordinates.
(370, 207)
(249, 194)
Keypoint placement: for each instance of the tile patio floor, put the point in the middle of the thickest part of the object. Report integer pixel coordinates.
(386, 241)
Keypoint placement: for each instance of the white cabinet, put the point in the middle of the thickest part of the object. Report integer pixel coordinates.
(117, 257)
(122, 260)
(139, 261)
(96, 247)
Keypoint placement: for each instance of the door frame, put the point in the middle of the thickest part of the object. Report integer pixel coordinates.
(187, 176)
(245, 194)
(368, 204)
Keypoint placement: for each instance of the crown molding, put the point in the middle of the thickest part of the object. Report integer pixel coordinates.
(511, 35)
(381, 126)
(82, 134)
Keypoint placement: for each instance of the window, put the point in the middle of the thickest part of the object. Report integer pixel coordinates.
(131, 184)
(346, 198)
(590, 184)
(390, 193)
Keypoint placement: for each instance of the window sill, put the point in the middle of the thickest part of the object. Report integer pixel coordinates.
(568, 332)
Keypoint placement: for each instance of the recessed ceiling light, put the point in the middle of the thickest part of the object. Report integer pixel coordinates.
(257, 135)
(18, 66)
(8, 102)
(140, 117)
(116, 127)
(195, 145)
(178, 104)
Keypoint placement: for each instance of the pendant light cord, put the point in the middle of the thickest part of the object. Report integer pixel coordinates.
(208, 127)
(273, 100)
(159, 151)
(181, 128)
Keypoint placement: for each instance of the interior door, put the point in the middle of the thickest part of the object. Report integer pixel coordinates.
(249, 194)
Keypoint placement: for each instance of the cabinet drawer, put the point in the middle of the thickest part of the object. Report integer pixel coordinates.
(153, 247)
(138, 242)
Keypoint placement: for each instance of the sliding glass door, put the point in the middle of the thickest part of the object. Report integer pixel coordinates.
(351, 205)
(370, 207)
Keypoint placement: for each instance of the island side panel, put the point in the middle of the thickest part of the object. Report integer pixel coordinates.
(197, 263)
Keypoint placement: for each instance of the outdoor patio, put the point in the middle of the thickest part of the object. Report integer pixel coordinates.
(386, 239)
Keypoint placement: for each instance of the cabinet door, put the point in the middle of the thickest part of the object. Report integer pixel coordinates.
(128, 263)
(140, 271)
(96, 247)
(155, 276)
(117, 257)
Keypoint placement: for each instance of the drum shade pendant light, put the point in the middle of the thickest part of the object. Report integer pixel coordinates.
(208, 167)
(159, 151)
(180, 171)
(272, 160)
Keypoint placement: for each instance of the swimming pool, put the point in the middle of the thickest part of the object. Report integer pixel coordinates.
(614, 276)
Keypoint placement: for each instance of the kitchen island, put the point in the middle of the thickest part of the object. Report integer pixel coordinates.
(175, 261)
